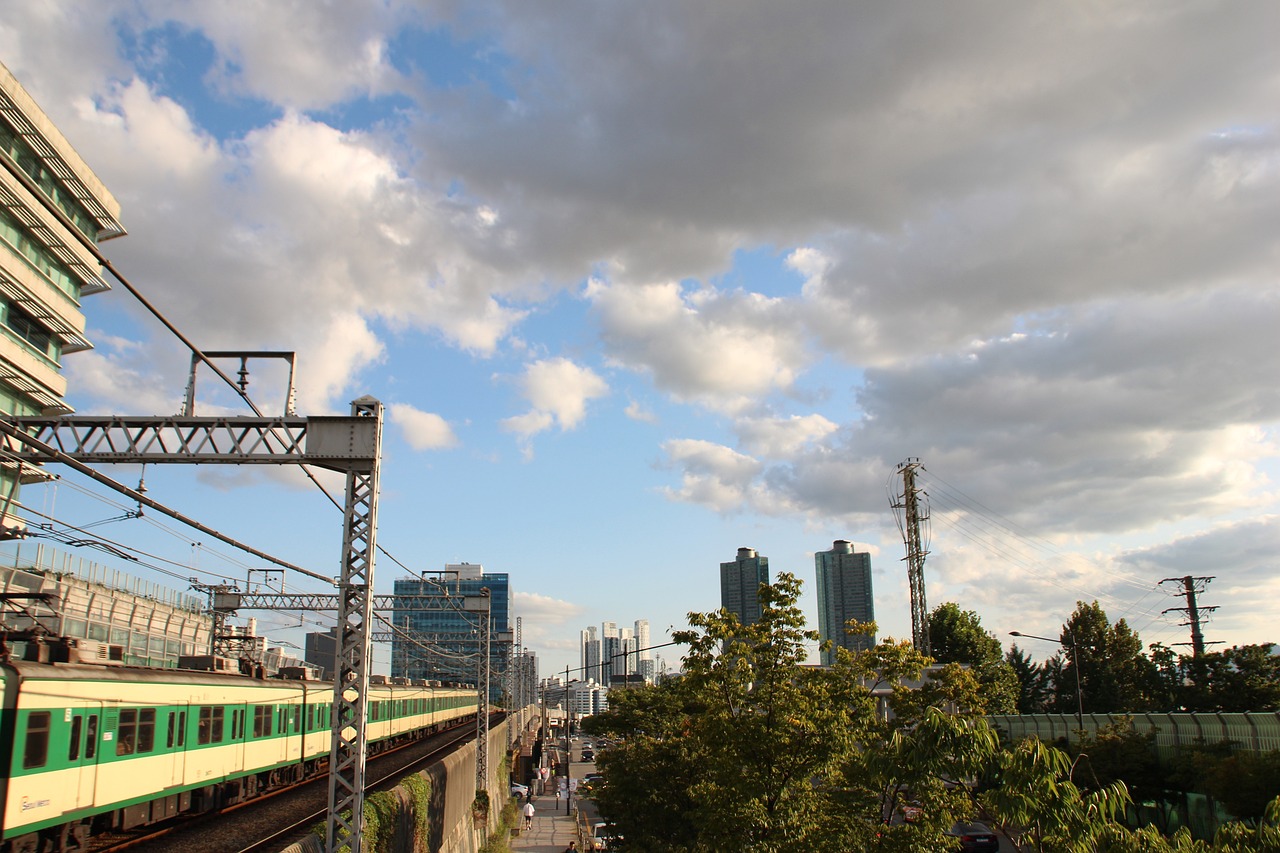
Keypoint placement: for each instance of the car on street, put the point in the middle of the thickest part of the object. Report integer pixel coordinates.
(518, 790)
(974, 837)
(603, 836)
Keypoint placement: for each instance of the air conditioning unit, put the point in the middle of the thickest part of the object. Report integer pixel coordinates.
(94, 651)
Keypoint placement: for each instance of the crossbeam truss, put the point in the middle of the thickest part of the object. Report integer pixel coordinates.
(347, 444)
(336, 443)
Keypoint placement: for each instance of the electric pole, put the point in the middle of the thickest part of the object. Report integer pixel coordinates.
(909, 525)
(1191, 586)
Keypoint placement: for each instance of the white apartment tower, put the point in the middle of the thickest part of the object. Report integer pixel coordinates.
(53, 212)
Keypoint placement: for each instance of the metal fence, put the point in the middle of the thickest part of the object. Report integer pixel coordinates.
(1250, 732)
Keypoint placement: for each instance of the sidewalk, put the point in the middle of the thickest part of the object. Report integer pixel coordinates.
(552, 828)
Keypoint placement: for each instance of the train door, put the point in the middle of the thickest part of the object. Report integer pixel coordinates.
(174, 732)
(83, 745)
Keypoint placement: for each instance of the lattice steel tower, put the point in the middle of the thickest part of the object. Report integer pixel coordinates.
(909, 525)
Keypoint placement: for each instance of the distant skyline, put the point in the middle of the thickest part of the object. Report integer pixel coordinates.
(642, 285)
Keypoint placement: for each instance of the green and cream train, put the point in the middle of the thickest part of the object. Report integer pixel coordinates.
(97, 748)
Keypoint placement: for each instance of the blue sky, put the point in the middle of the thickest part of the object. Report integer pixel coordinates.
(641, 285)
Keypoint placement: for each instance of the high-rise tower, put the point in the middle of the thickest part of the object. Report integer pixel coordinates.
(844, 593)
(740, 585)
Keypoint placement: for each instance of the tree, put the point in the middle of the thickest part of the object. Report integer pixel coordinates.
(747, 733)
(1241, 678)
(957, 636)
(1033, 682)
(1115, 676)
(751, 750)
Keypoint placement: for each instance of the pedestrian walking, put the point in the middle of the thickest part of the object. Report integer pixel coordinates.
(528, 815)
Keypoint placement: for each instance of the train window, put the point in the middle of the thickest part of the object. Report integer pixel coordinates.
(91, 737)
(77, 727)
(261, 720)
(182, 728)
(168, 738)
(237, 724)
(127, 731)
(297, 718)
(146, 729)
(36, 751)
(211, 722)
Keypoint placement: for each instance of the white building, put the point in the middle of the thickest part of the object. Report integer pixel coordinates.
(51, 205)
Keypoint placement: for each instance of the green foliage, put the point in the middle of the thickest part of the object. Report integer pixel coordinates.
(751, 750)
(419, 790)
(958, 637)
(1235, 837)
(1245, 782)
(497, 842)
(380, 811)
(1033, 682)
(1040, 806)
(1241, 678)
(1115, 676)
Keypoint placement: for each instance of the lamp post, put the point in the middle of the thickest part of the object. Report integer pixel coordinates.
(1075, 666)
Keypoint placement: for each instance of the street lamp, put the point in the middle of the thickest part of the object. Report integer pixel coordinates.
(1075, 666)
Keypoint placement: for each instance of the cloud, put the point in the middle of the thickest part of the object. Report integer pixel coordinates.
(638, 412)
(782, 437)
(422, 430)
(722, 350)
(559, 391)
(715, 476)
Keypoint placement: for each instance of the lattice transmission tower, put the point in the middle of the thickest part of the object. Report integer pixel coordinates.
(910, 511)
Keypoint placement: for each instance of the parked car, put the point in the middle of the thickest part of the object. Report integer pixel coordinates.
(604, 836)
(974, 838)
(518, 790)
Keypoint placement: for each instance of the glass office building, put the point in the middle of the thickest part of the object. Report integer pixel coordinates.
(439, 640)
(844, 593)
(740, 582)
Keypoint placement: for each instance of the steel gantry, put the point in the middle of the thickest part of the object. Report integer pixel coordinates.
(351, 445)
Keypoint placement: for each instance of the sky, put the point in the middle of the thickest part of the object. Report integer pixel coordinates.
(640, 284)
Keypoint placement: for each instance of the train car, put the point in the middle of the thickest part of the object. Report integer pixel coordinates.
(96, 748)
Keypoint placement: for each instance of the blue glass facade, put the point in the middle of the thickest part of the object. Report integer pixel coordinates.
(442, 642)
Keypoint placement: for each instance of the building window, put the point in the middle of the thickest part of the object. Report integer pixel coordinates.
(28, 328)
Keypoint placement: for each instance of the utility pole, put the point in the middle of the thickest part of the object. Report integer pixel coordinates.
(1191, 586)
(909, 525)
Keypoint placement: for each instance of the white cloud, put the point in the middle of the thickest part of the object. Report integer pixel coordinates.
(638, 412)
(559, 391)
(715, 476)
(782, 437)
(422, 430)
(723, 350)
